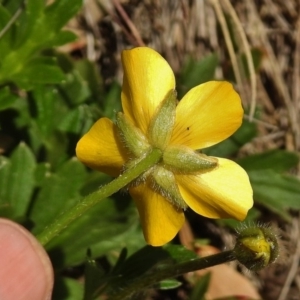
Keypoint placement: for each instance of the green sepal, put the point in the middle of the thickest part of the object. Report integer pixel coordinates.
(256, 247)
(185, 160)
(162, 123)
(133, 138)
(165, 184)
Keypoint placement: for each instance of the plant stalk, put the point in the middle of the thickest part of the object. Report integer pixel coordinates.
(62, 222)
(142, 282)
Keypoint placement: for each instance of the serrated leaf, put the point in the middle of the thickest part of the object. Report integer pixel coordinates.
(103, 229)
(59, 192)
(275, 191)
(40, 34)
(45, 110)
(17, 180)
(277, 160)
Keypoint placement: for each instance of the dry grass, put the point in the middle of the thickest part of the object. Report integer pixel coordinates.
(177, 28)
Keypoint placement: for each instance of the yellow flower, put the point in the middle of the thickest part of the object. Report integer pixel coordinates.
(206, 115)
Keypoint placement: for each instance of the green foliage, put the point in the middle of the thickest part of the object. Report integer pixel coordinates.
(37, 28)
(231, 145)
(200, 288)
(273, 189)
(67, 289)
(196, 72)
(94, 277)
(147, 262)
(17, 180)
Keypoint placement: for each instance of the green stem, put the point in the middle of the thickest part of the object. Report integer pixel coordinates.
(149, 280)
(125, 178)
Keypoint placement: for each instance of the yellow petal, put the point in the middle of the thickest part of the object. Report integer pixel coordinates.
(207, 115)
(160, 219)
(224, 192)
(101, 149)
(147, 80)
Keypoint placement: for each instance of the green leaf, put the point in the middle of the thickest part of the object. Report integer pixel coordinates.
(37, 29)
(201, 288)
(17, 180)
(152, 259)
(90, 73)
(252, 216)
(73, 121)
(61, 38)
(94, 277)
(60, 12)
(275, 191)
(67, 289)
(112, 102)
(44, 100)
(7, 99)
(59, 192)
(42, 172)
(7, 38)
(5, 205)
(75, 88)
(42, 70)
(257, 55)
(231, 145)
(28, 21)
(169, 284)
(103, 229)
(146, 267)
(197, 72)
(277, 160)
(48, 108)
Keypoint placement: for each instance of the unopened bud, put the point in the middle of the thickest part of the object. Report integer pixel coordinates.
(256, 247)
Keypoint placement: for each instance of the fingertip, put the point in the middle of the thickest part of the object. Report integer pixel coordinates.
(26, 272)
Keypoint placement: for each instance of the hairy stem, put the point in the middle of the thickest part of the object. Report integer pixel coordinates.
(62, 222)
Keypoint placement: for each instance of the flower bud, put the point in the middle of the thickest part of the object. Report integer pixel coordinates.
(185, 160)
(162, 123)
(132, 137)
(256, 247)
